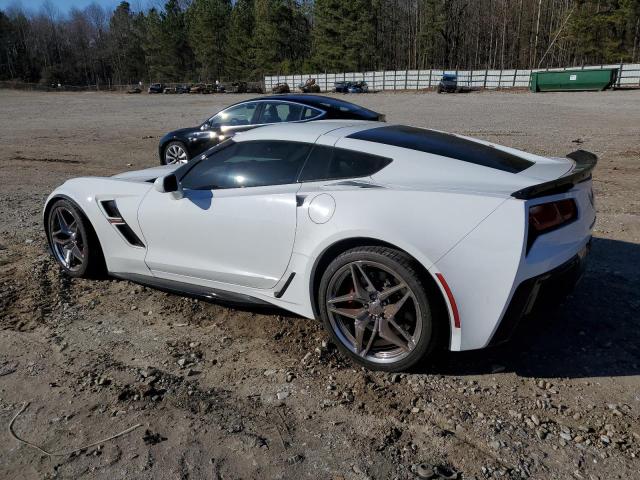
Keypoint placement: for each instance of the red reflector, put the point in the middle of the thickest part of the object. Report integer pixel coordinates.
(452, 301)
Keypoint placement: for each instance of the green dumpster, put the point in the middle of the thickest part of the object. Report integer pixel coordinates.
(596, 79)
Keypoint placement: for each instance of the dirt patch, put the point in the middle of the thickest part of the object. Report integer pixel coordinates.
(227, 393)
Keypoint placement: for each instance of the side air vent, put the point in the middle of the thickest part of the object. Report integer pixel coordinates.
(110, 208)
(115, 218)
(129, 235)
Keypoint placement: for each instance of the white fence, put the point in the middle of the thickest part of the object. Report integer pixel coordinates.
(629, 76)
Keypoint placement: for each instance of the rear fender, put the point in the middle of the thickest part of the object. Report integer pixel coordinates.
(480, 272)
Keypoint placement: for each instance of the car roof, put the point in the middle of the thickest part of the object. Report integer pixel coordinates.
(423, 158)
(304, 131)
(308, 99)
(385, 139)
(335, 107)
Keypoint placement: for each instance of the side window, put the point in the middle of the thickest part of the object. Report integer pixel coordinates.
(327, 163)
(276, 112)
(310, 113)
(239, 115)
(248, 164)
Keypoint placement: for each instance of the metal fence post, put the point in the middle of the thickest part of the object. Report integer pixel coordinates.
(515, 74)
(620, 74)
(430, 70)
(486, 72)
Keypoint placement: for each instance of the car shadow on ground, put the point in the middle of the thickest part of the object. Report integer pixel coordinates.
(594, 333)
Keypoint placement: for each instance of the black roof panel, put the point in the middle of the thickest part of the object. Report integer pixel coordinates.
(444, 144)
(335, 108)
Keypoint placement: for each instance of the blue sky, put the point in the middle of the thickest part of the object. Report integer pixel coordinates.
(63, 6)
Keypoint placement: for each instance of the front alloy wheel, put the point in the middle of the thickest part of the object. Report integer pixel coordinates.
(67, 241)
(376, 309)
(73, 241)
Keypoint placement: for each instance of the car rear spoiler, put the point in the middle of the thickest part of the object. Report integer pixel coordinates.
(585, 163)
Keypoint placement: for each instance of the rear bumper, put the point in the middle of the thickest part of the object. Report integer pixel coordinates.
(540, 293)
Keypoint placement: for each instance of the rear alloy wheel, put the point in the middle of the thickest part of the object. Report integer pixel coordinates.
(175, 152)
(376, 309)
(73, 242)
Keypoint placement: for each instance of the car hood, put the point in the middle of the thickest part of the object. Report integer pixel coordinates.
(146, 175)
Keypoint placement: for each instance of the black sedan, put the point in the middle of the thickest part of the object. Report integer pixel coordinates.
(181, 145)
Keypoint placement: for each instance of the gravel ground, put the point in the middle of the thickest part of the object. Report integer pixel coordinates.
(223, 393)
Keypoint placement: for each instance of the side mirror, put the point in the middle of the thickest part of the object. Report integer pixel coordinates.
(205, 126)
(169, 184)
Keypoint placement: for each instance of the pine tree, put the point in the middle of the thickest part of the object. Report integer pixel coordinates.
(433, 24)
(167, 52)
(155, 56)
(281, 36)
(344, 35)
(605, 30)
(207, 26)
(240, 44)
(127, 56)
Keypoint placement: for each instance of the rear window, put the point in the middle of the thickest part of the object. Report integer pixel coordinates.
(446, 145)
(329, 163)
(341, 109)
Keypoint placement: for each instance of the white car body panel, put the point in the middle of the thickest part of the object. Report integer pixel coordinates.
(455, 218)
(257, 247)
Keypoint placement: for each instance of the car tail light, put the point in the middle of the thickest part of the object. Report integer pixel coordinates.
(546, 217)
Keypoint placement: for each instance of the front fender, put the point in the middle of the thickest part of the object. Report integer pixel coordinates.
(86, 194)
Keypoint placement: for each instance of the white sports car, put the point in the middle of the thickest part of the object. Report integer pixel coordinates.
(400, 239)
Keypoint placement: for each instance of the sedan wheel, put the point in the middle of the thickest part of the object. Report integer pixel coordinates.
(375, 307)
(175, 153)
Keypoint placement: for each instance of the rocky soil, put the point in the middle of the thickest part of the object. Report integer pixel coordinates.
(224, 393)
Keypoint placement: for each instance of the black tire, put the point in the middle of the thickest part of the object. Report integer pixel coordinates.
(92, 264)
(405, 270)
(171, 146)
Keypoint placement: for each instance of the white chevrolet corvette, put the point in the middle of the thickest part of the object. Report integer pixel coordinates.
(400, 239)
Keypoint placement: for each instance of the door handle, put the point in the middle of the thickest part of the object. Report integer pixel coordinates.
(300, 200)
